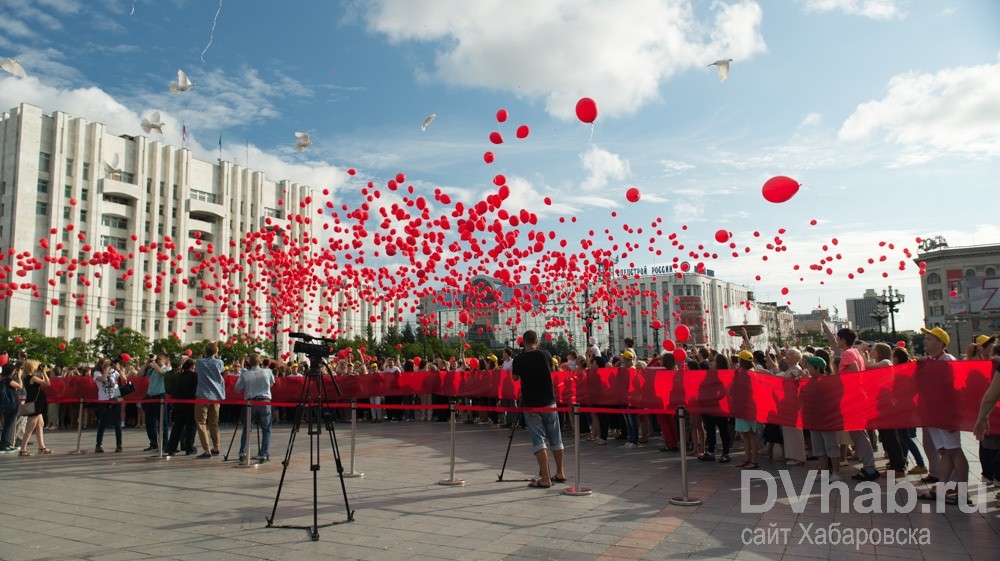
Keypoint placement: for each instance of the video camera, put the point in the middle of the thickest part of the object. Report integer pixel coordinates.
(320, 350)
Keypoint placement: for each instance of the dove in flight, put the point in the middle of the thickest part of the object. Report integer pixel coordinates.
(303, 141)
(13, 66)
(153, 123)
(112, 171)
(430, 119)
(182, 84)
(723, 67)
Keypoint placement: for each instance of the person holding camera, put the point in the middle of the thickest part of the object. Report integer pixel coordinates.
(109, 396)
(533, 368)
(11, 386)
(34, 379)
(255, 382)
(155, 369)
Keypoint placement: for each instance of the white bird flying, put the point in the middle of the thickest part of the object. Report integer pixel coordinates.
(723, 67)
(182, 84)
(430, 119)
(112, 171)
(13, 66)
(153, 123)
(303, 141)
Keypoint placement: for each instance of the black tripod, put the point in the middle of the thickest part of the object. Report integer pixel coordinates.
(310, 406)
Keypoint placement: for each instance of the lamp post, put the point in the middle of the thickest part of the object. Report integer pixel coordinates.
(891, 299)
(611, 336)
(879, 314)
(423, 327)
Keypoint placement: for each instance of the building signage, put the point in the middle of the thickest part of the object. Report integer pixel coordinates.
(647, 270)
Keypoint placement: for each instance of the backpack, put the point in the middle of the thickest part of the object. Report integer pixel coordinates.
(8, 396)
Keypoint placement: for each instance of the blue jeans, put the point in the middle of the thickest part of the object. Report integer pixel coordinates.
(9, 418)
(152, 411)
(544, 427)
(260, 414)
(109, 413)
(632, 427)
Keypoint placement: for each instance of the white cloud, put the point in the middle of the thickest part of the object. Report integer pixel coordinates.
(956, 110)
(811, 120)
(556, 50)
(674, 166)
(874, 9)
(688, 211)
(602, 166)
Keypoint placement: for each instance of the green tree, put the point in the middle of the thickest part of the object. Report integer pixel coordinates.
(408, 335)
(558, 347)
(171, 345)
(242, 345)
(112, 342)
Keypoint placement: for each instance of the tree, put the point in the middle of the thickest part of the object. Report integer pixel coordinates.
(112, 342)
(170, 345)
(408, 336)
(240, 346)
(557, 348)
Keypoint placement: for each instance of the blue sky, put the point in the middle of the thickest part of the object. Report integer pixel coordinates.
(887, 111)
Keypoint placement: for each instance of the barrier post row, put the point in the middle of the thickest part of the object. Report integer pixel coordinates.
(245, 440)
(451, 480)
(684, 499)
(79, 430)
(578, 490)
(354, 431)
(159, 432)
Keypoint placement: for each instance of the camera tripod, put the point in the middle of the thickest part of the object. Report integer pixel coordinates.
(310, 407)
(240, 420)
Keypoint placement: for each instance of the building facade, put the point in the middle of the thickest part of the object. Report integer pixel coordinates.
(961, 290)
(70, 190)
(859, 312)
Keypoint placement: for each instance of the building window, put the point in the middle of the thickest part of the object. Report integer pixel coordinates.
(969, 273)
(114, 221)
(198, 329)
(118, 243)
(119, 322)
(78, 322)
(86, 171)
(41, 209)
(83, 216)
(142, 325)
(128, 177)
(44, 162)
(43, 186)
(68, 191)
(69, 167)
(934, 294)
(120, 304)
(83, 193)
(116, 199)
(933, 278)
(204, 196)
(61, 322)
(120, 284)
(149, 186)
(990, 271)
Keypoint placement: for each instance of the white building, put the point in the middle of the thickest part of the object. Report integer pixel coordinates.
(83, 189)
(860, 310)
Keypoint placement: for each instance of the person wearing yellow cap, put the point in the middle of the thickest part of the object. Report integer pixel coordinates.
(947, 443)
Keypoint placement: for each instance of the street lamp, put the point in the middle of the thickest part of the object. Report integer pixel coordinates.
(879, 314)
(891, 299)
(423, 327)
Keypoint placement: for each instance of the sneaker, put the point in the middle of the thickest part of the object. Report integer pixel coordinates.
(10, 449)
(243, 458)
(205, 456)
(118, 450)
(629, 445)
(98, 449)
(263, 459)
(707, 457)
(917, 470)
(151, 448)
(835, 477)
(600, 441)
(866, 476)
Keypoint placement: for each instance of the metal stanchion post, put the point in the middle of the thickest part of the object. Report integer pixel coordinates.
(578, 490)
(159, 432)
(684, 499)
(354, 432)
(452, 480)
(245, 446)
(79, 430)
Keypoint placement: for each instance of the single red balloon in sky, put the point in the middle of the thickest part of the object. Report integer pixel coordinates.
(586, 110)
(722, 236)
(496, 138)
(522, 131)
(488, 157)
(501, 115)
(779, 189)
(632, 195)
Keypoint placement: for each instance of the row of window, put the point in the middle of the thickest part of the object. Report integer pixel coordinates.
(45, 165)
(934, 278)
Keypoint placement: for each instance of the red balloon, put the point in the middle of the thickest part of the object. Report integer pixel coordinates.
(62, 346)
(682, 333)
(632, 195)
(901, 344)
(417, 361)
(680, 355)
(722, 236)
(501, 115)
(522, 131)
(126, 357)
(586, 110)
(779, 189)
(496, 138)
(474, 363)
(488, 157)
(4, 359)
(668, 345)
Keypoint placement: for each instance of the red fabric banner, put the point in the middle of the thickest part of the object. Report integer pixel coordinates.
(917, 394)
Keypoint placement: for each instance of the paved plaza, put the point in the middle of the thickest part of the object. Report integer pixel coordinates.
(127, 506)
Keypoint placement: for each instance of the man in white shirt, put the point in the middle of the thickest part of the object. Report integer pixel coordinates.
(948, 443)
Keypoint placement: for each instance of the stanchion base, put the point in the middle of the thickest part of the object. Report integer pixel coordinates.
(158, 457)
(74, 452)
(354, 474)
(247, 465)
(577, 492)
(452, 482)
(681, 501)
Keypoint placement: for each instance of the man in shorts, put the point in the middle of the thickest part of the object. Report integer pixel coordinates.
(533, 368)
(948, 443)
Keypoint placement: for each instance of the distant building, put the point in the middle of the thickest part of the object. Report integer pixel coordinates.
(961, 289)
(813, 321)
(859, 312)
(82, 189)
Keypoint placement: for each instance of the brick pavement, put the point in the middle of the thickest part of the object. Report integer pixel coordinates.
(127, 506)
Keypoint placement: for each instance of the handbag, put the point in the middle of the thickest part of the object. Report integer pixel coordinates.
(126, 389)
(26, 409)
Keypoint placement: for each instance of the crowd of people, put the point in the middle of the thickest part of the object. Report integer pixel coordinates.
(938, 457)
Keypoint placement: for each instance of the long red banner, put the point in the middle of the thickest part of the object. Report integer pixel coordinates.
(918, 394)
